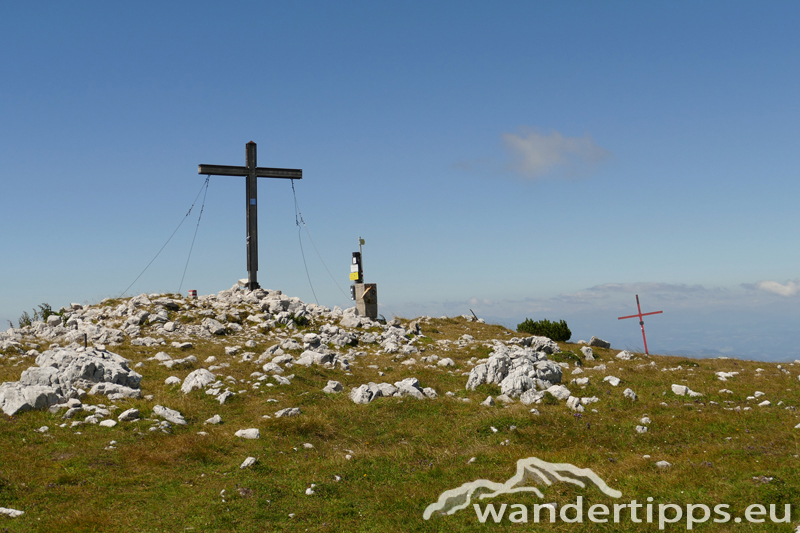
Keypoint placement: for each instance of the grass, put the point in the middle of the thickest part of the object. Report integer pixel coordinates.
(403, 452)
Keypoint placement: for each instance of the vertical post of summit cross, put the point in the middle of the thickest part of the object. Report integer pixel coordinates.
(641, 321)
(252, 217)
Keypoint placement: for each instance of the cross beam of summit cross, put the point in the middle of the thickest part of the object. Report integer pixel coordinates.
(251, 171)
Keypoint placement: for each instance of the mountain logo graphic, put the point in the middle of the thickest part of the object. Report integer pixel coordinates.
(530, 472)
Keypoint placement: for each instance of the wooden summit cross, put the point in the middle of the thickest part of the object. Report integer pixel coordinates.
(641, 322)
(251, 171)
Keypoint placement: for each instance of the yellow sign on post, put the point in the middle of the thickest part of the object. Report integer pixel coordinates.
(353, 276)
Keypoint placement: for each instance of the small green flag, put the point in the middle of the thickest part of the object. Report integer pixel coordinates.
(361, 241)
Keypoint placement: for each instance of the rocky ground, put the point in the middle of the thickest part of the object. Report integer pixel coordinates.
(240, 344)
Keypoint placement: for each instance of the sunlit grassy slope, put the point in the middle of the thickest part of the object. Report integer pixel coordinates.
(376, 467)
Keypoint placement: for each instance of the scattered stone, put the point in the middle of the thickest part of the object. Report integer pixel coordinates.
(574, 403)
(663, 464)
(333, 387)
(129, 415)
(197, 379)
(488, 402)
(587, 352)
(641, 429)
(216, 419)
(289, 411)
(600, 343)
(559, 392)
(625, 355)
(250, 461)
(612, 380)
(108, 423)
(12, 513)
(252, 433)
(683, 390)
(628, 393)
(169, 415)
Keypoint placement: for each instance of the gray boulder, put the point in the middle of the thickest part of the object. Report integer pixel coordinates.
(170, 415)
(332, 387)
(213, 326)
(362, 394)
(197, 380)
(600, 343)
(16, 398)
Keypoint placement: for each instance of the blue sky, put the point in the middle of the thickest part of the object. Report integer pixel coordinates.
(521, 159)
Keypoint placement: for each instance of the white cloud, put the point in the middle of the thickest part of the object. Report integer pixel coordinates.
(790, 288)
(536, 155)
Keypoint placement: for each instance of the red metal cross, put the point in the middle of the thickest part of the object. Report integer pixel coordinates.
(641, 322)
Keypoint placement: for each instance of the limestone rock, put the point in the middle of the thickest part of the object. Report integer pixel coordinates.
(251, 433)
(587, 352)
(628, 393)
(559, 392)
(213, 326)
(332, 387)
(197, 380)
(625, 355)
(114, 391)
(600, 343)
(128, 415)
(16, 398)
(362, 394)
(289, 411)
(170, 415)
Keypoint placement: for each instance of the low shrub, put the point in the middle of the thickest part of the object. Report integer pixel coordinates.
(558, 331)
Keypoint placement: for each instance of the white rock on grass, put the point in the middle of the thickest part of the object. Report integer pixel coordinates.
(663, 464)
(625, 355)
(289, 411)
(11, 513)
(251, 433)
(108, 423)
(612, 380)
(214, 420)
(628, 393)
(250, 461)
(129, 415)
(765, 403)
(683, 390)
(559, 392)
(172, 380)
(197, 379)
(574, 403)
(362, 394)
(587, 352)
(488, 402)
(641, 429)
(170, 415)
(333, 387)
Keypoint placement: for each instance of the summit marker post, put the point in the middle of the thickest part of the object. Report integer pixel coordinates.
(641, 321)
(251, 171)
